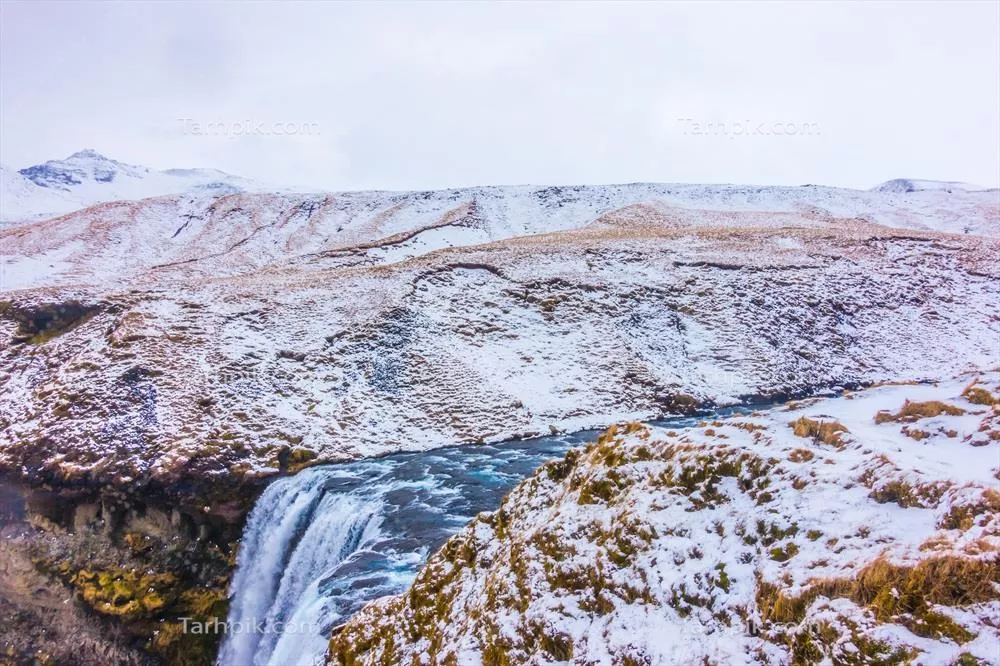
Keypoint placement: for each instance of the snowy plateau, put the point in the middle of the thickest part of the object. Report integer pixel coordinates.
(171, 342)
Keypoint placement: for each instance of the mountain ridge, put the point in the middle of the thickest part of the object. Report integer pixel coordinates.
(88, 177)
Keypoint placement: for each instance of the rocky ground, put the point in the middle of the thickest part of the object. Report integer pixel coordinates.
(89, 579)
(857, 530)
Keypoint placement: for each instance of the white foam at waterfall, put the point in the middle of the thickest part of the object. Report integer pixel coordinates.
(342, 523)
(297, 531)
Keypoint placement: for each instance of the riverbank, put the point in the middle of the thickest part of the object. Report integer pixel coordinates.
(100, 550)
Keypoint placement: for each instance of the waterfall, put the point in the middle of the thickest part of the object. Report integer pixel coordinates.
(319, 545)
(299, 530)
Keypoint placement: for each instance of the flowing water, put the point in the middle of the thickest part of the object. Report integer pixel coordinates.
(320, 544)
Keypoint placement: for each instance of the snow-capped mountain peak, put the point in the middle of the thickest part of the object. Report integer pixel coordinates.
(87, 177)
(82, 167)
(21, 197)
(906, 185)
(87, 153)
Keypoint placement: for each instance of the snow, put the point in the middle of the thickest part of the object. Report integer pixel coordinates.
(365, 323)
(20, 198)
(287, 225)
(664, 599)
(360, 323)
(19, 271)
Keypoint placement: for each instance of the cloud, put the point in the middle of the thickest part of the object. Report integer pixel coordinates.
(413, 96)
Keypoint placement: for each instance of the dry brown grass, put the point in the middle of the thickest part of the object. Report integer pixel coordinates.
(748, 426)
(977, 395)
(980, 547)
(937, 542)
(633, 426)
(801, 455)
(914, 411)
(906, 495)
(915, 433)
(897, 593)
(963, 516)
(828, 432)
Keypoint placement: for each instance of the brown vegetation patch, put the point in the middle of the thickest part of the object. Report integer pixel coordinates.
(827, 432)
(914, 411)
(898, 594)
(978, 395)
(963, 516)
(915, 433)
(907, 495)
(801, 455)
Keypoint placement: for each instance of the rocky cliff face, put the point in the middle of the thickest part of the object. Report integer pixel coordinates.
(857, 530)
(98, 577)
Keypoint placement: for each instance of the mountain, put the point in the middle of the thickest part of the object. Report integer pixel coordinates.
(907, 185)
(855, 530)
(87, 177)
(85, 167)
(22, 198)
(213, 233)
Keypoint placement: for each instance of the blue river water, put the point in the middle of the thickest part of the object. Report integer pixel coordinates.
(320, 544)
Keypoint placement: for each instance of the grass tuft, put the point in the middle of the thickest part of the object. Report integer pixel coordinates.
(911, 412)
(827, 432)
(901, 594)
(977, 395)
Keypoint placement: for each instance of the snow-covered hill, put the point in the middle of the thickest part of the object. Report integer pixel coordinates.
(856, 530)
(87, 177)
(347, 326)
(21, 198)
(160, 358)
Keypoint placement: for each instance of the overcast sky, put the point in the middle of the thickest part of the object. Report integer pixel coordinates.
(414, 96)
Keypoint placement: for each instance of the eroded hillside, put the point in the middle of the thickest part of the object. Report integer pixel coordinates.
(228, 378)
